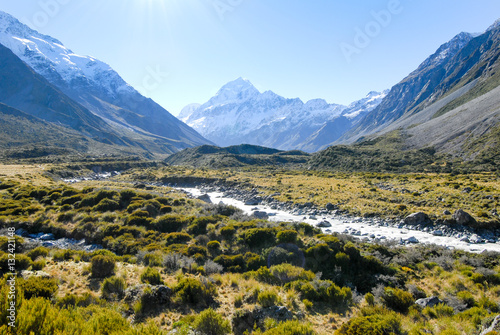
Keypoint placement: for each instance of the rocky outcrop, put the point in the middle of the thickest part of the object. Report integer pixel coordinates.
(428, 302)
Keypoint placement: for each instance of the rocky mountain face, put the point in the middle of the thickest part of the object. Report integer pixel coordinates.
(455, 69)
(97, 88)
(239, 113)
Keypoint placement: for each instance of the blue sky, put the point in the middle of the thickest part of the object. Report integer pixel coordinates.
(182, 51)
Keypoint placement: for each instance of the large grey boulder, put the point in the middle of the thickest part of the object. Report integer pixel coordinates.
(428, 302)
(416, 219)
(463, 218)
(205, 198)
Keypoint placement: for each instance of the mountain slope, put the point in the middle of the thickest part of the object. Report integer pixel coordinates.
(96, 86)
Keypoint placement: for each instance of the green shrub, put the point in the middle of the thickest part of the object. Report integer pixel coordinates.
(165, 209)
(253, 261)
(234, 263)
(287, 236)
(170, 223)
(209, 322)
(152, 259)
(467, 298)
(291, 328)
(214, 248)
(339, 297)
(151, 276)
(106, 205)
(196, 249)
(397, 299)
(260, 237)
(36, 287)
(63, 255)
(38, 265)
(285, 273)
(135, 220)
(38, 252)
(113, 288)
(193, 291)
(227, 232)
(102, 266)
(267, 298)
(370, 299)
(178, 238)
(385, 324)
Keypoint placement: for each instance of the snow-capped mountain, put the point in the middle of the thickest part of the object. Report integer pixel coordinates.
(239, 113)
(50, 58)
(93, 84)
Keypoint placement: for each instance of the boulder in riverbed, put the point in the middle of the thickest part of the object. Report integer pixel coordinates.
(205, 198)
(463, 218)
(417, 219)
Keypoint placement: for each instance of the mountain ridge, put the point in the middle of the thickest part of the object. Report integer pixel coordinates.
(239, 113)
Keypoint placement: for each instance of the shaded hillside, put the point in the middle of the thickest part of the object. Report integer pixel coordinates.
(99, 97)
(24, 90)
(236, 156)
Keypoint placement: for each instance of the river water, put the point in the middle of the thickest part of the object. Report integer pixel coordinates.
(360, 228)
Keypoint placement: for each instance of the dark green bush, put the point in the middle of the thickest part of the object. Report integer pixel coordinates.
(214, 248)
(209, 322)
(151, 276)
(234, 263)
(196, 249)
(177, 238)
(385, 324)
(253, 261)
(193, 291)
(267, 298)
(170, 223)
(113, 288)
(397, 299)
(135, 220)
(38, 252)
(227, 232)
(287, 236)
(260, 237)
(102, 266)
(106, 205)
(36, 287)
(291, 328)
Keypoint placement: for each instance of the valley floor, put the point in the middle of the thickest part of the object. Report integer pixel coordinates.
(171, 264)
